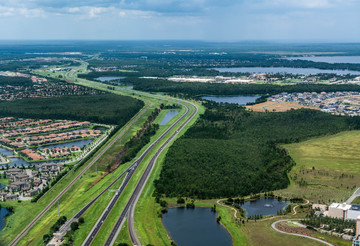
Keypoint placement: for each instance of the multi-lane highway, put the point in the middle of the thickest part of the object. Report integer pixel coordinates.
(129, 208)
(61, 193)
(128, 211)
(143, 178)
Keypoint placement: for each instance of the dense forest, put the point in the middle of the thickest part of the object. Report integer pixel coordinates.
(196, 89)
(105, 108)
(15, 81)
(233, 152)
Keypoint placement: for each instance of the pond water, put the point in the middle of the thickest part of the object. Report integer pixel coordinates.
(241, 100)
(329, 59)
(3, 213)
(108, 78)
(303, 71)
(195, 227)
(168, 116)
(14, 161)
(264, 207)
(80, 143)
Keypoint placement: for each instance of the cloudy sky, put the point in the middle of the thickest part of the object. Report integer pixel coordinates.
(209, 20)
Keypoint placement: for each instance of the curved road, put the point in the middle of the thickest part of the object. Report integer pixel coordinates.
(273, 225)
(128, 211)
(148, 169)
(48, 207)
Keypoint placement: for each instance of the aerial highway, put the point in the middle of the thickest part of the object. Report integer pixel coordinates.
(71, 77)
(128, 211)
(61, 193)
(132, 170)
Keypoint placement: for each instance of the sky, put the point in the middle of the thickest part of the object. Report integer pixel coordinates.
(206, 20)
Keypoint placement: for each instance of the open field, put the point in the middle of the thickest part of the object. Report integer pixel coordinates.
(327, 168)
(276, 106)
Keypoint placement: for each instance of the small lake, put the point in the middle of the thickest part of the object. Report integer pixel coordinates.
(290, 70)
(195, 227)
(329, 59)
(3, 213)
(80, 143)
(264, 207)
(169, 116)
(108, 78)
(241, 100)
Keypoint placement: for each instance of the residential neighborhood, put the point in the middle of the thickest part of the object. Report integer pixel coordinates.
(45, 142)
(40, 87)
(25, 183)
(346, 103)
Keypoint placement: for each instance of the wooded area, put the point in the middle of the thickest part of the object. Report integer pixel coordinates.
(105, 108)
(197, 89)
(233, 152)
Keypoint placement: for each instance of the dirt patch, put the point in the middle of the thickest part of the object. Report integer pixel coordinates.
(276, 106)
(283, 226)
(112, 168)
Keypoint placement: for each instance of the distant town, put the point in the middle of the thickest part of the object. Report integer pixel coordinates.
(268, 78)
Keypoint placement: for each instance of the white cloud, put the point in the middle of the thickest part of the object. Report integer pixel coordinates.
(26, 12)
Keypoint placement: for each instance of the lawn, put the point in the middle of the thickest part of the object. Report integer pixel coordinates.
(327, 168)
(356, 200)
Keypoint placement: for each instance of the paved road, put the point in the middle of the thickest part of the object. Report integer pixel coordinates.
(353, 196)
(97, 157)
(273, 225)
(128, 211)
(112, 203)
(132, 202)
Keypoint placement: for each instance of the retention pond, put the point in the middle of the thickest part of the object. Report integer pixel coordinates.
(195, 227)
(264, 207)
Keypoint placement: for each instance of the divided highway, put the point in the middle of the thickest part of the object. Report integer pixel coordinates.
(130, 206)
(61, 193)
(143, 179)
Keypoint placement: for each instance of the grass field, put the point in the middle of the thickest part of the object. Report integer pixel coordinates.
(356, 200)
(327, 168)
